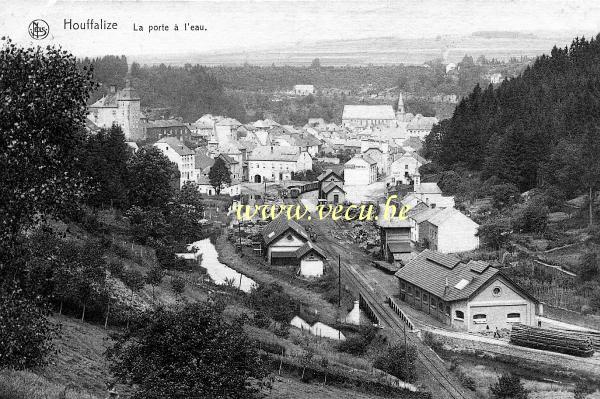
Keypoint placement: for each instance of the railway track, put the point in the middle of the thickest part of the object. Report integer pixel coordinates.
(427, 358)
(376, 297)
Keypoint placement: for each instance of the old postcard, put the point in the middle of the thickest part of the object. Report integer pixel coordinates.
(300, 199)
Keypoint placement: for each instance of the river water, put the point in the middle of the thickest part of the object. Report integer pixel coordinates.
(217, 271)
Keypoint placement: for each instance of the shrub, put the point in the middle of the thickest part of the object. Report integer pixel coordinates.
(357, 344)
(399, 361)
(509, 386)
(25, 333)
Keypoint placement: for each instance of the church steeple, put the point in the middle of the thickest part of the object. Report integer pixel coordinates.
(400, 104)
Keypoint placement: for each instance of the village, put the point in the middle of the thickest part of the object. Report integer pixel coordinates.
(418, 265)
(285, 200)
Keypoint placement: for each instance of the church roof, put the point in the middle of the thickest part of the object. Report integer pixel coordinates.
(369, 112)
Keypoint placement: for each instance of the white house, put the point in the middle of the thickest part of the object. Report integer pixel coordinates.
(406, 166)
(179, 154)
(360, 170)
(275, 163)
(430, 193)
(311, 260)
(450, 231)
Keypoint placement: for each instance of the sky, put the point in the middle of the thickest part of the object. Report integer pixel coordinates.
(252, 24)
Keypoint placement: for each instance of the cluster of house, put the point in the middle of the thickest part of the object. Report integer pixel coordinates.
(383, 142)
(431, 222)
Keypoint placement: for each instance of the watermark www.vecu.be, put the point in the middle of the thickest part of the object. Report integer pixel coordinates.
(364, 212)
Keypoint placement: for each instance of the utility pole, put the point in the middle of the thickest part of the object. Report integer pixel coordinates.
(240, 240)
(339, 291)
(339, 281)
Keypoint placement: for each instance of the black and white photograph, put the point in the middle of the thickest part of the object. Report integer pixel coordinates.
(248, 199)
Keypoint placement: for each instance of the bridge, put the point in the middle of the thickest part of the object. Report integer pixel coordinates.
(385, 312)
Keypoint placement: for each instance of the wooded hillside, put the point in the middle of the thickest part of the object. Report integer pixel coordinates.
(539, 129)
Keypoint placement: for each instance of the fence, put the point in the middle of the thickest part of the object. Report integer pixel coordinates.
(400, 313)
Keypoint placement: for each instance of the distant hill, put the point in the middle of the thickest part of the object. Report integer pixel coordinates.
(378, 51)
(492, 34)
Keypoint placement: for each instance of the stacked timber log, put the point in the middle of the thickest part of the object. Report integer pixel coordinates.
(551, 340)
(592, 335)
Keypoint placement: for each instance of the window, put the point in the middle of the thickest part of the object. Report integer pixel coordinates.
(433, 303)
(425, 297)
(513, 317)
(459, 315)
(402, 285)
(289, 237)
(479, 318)
(497, 291)
(448, 310)
(410, 288)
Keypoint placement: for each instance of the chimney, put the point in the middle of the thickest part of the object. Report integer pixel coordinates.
(113, 89)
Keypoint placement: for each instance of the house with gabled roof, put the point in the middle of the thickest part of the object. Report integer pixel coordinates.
(285, 242)
(360, 170)
(182, 156)
(467, 295)
(405, 167)
(449, 231)
(331, 186)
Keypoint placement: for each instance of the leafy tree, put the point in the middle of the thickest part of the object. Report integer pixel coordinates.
(494, 234)
(150, 176)
(88, 270)
(147, 223)
(273, 301)
(509, 386)
(188, 352)
(178, 285)
(504, 195)
(25, 332)
(42, 123)
(134, 279)
(399, 362)
(533, 218)
(104, 161)
(316, 63)
(185, 213)
(219, 175)
(154, 277)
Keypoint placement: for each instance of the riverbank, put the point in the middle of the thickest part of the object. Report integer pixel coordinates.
(326, 312)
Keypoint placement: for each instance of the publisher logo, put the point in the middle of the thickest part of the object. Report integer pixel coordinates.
(38, 29)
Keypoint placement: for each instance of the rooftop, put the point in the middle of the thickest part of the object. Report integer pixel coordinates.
(376, 112)
(279, 226)
(176, 145)
(431, 271)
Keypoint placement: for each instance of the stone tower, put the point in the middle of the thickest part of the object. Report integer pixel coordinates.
(128, 105)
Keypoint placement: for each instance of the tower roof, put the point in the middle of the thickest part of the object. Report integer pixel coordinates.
(400, 107)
